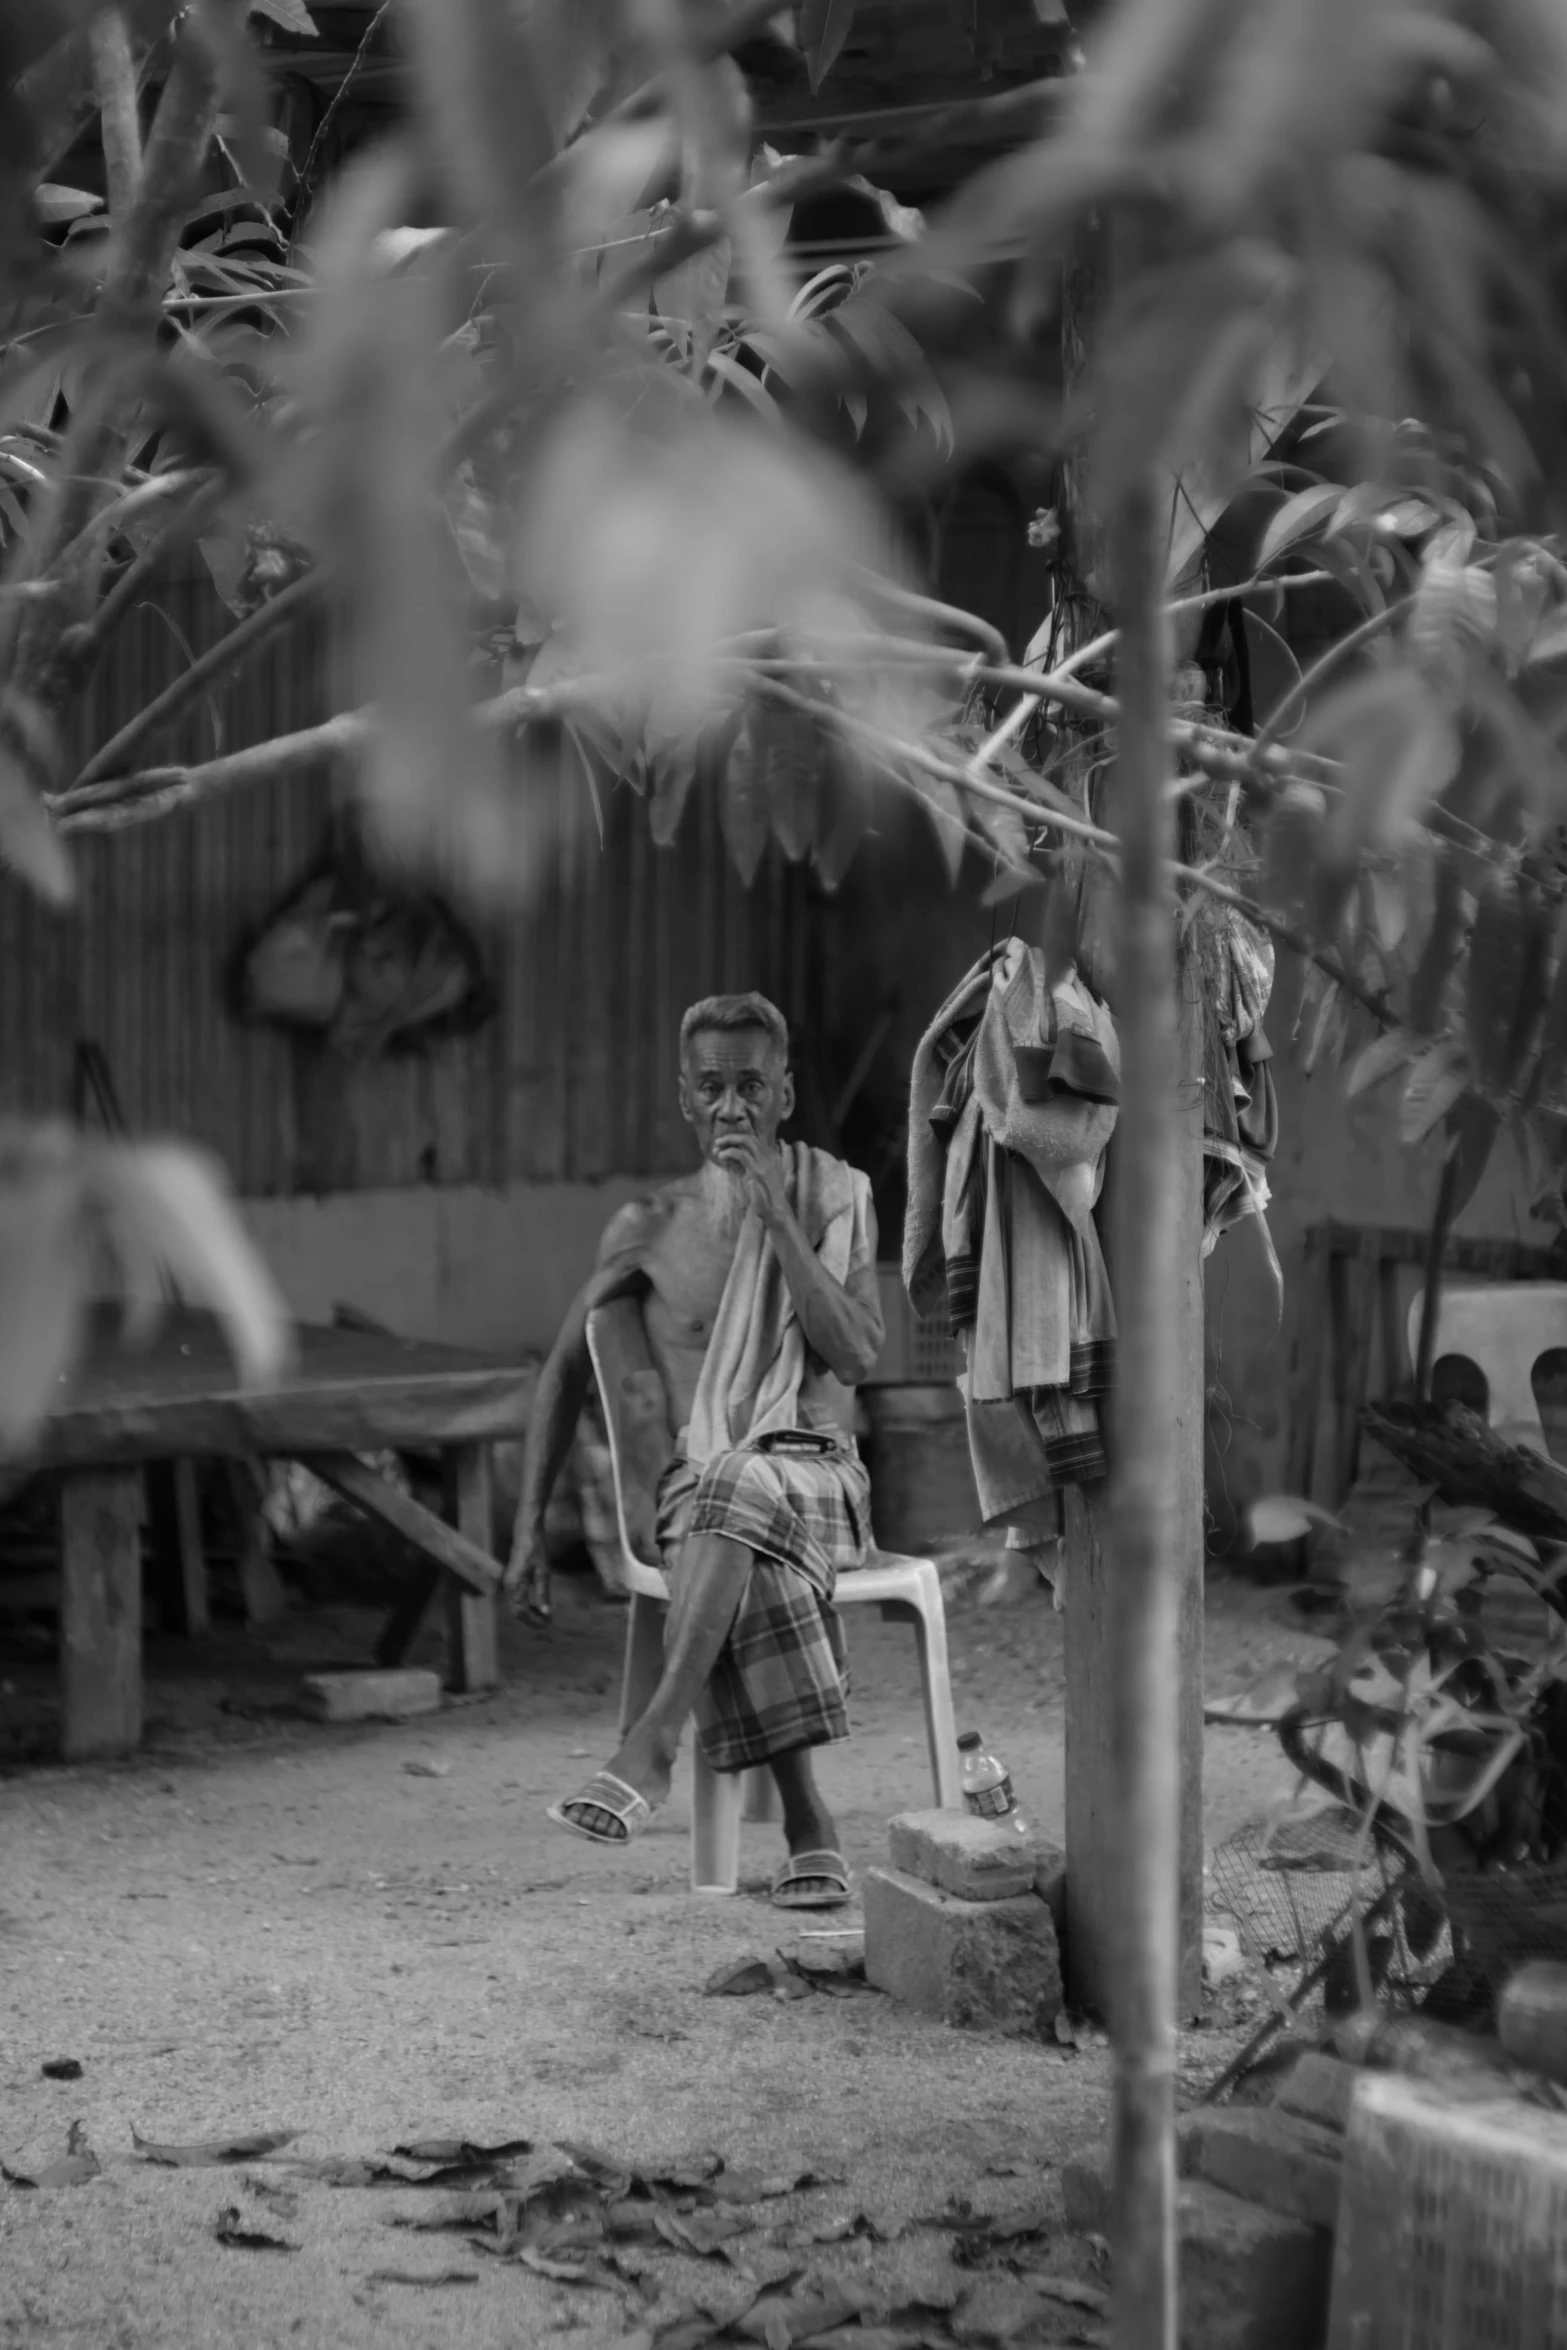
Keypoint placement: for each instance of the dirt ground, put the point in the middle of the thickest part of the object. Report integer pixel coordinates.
(261, 1923)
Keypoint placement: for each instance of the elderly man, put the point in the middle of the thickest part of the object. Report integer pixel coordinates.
(757, 1279)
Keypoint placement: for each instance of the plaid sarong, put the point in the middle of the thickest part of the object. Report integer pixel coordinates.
(782, 1677)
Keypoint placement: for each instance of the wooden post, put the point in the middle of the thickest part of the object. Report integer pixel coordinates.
(1146, 1542)
(472, 1619)
(100, 1612)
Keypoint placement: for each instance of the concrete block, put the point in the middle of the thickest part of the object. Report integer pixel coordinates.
(989, 1966)
(978, 1860)
(1249, 2279)
(1050, 1884)
(370, 1697)
(1320, 2089)
(1272, 2159)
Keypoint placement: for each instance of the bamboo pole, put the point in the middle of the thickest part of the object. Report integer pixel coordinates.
(1144, 1628)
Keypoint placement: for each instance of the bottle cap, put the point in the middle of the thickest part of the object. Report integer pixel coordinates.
(968, 1741)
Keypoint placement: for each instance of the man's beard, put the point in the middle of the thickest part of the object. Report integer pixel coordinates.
(725, 1199)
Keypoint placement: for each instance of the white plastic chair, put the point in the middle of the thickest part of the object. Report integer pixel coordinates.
(1503, 1328)
(906, 1589)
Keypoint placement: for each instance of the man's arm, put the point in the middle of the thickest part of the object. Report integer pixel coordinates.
(842, 1320)
(558, 1400)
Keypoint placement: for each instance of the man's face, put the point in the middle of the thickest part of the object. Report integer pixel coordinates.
(733, 1081)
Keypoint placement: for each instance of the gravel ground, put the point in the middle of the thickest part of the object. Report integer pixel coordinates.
(265, 1924)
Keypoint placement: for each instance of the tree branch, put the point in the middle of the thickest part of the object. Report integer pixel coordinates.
(217, 661)
(114, 76)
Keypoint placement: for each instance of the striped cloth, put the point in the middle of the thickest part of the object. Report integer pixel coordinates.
(782, 1678)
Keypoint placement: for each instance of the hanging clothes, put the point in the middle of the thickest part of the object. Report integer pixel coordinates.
(1013, 1099)
(1240, 1103)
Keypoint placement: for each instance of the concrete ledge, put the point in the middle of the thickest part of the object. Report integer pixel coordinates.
(1320, 2089)
(989, 1966)
(1273, 2159)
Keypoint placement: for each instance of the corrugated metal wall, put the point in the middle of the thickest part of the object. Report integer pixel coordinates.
(573, 1079)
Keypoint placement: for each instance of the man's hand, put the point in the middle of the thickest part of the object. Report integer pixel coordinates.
(760, 1167)
(526, 1582)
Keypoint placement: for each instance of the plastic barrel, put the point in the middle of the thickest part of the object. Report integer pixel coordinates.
(922, 1484)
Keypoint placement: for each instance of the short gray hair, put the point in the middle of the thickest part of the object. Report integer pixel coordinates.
(727, 1013)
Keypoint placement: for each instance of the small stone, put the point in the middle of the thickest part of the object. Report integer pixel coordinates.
(1272, 2159)
(979, 1965)
(978, 1860)
(370, 1697)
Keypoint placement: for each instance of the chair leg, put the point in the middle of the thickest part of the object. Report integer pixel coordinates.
(644, 1663)
(936, 1682)
(716, 1798)
(761, 1797)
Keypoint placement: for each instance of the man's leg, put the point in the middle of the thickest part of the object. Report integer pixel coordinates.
(808, 1824)
(709, 1583)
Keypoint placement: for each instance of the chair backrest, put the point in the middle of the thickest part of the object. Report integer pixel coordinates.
(636, 1420)
(1503, 1328)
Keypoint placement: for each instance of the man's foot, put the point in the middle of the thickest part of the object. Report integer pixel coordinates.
(812, 1880)
(607, 1811)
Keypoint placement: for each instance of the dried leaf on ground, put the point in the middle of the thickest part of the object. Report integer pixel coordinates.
(282, 2200)
(427, 1770)
(61, 2068)
(202, 2152)
(464, 2151)
(740, 1979)
(230, 2229)
(409, 2276)
(73, 2168)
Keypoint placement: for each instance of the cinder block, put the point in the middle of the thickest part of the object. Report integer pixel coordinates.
(370, 1697)
(1249, 2279)
(1269, 2158)
(978, 1860)
(989, 1966)
(1320, 2089)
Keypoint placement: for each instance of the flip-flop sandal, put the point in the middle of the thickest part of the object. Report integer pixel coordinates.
(798, 1884)
(605, 1793)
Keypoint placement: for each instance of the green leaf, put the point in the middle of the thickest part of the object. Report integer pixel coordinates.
(743, 810)
(1399, 749)
(824, 27)
(292, 15)
(1435, 1084)
(1505, 990)
(1428, 987)
(791, 744)
(690, 300)
(176, 1207)
(843, 816)
(1551, 1065)
(42, 1275)
(1473, 1126)
(1307, 511)
(1284, 1517)
(1378, 1060)
(54, 204)
(945, 807)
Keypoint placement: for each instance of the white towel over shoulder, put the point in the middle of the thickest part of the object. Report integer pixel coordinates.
(756, 1357)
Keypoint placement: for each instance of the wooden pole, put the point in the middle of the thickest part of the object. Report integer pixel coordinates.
(1144, 1625)
(1093, 1597)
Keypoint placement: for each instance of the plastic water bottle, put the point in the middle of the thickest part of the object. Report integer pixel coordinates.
(987, 1785)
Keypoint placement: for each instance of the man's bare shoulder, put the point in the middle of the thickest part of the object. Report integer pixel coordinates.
(640, 1221)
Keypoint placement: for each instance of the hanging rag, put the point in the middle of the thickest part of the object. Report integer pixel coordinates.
(1013, 1098)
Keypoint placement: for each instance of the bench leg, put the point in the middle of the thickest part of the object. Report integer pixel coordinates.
(472, 1617)
(100, 1612)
